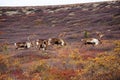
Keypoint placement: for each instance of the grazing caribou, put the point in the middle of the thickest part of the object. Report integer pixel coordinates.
(41, 44)
(91, 41)
(99, 34)
(23, 45)
(56, 41)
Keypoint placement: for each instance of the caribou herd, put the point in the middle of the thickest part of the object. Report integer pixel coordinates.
(42, 44)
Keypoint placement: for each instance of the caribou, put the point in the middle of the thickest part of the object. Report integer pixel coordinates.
(44, 43)
(56, 41)
(93, 41)
(41, 44)
(23, 45)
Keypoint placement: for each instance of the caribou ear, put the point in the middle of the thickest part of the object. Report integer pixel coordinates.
(100, 35)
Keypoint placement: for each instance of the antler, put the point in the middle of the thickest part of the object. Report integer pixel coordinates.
(100, 34)
(61, 34)
(31, 36)
(28, 38)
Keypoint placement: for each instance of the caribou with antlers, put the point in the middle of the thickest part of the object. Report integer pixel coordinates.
(57, 41)
(23, 45)
(92, 41)
(41, 43)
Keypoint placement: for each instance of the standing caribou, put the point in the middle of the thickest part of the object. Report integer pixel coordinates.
(23, 45)
(41, 44)
(92, 41)
(44, 43)
(56, 41)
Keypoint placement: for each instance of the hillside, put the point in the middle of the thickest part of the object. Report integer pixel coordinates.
(70, 62)
(50, 21)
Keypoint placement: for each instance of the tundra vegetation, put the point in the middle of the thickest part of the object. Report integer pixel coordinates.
(68, 64)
